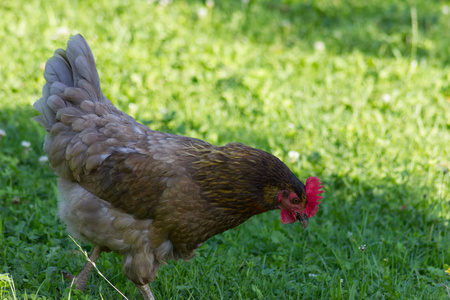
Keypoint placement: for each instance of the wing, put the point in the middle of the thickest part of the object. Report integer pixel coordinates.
(136, 178)
(120, 160)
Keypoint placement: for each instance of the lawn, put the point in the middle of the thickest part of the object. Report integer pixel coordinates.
(354, 92)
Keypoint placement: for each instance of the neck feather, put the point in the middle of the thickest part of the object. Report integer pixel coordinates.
(240, 180)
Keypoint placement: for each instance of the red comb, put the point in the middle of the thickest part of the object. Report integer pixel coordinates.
(313, 192)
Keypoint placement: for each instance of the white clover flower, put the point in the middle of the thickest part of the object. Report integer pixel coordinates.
(2, 134)
(202, 12)
(164, 2)
(286, 23)
(61, 32)
(133, 107)
(342, 280)
(362, 247)
(386, 98)
(16, 200)
(319, 46)
(446, 9)
(209, 3)
(26, 146)
(293, 156)
(43, 160)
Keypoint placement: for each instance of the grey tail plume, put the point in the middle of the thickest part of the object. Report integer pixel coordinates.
(71, 77)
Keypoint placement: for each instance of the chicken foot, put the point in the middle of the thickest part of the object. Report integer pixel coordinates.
(145, 291)
(81, 279)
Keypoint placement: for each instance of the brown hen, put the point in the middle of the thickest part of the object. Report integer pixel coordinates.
(148, 195)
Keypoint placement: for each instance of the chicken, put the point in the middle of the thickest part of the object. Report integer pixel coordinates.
(147, 195)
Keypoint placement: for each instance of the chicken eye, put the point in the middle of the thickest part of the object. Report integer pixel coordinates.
(296, 200)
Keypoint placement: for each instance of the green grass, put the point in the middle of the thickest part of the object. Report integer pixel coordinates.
(369, 115)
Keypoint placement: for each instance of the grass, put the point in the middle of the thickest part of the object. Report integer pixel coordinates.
(360, 89)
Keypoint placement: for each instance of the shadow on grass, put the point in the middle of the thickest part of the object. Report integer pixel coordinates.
(386, 28)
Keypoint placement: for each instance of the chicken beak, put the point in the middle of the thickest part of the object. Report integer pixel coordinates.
(303, 218)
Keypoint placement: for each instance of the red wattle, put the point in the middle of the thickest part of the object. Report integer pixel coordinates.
(287, 217)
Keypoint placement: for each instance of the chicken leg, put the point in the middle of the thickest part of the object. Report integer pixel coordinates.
(145, 291)
(81, 279)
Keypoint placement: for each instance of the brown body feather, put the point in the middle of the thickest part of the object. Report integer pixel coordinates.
(148, 195)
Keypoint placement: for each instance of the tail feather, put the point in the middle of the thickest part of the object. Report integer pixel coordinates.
(57, 69)
(76, 115)
(71, 77)
(82, 61)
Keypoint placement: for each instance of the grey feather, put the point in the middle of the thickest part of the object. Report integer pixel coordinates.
(72, 76)
(57, 70)
(57, 88)
(82, 61)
